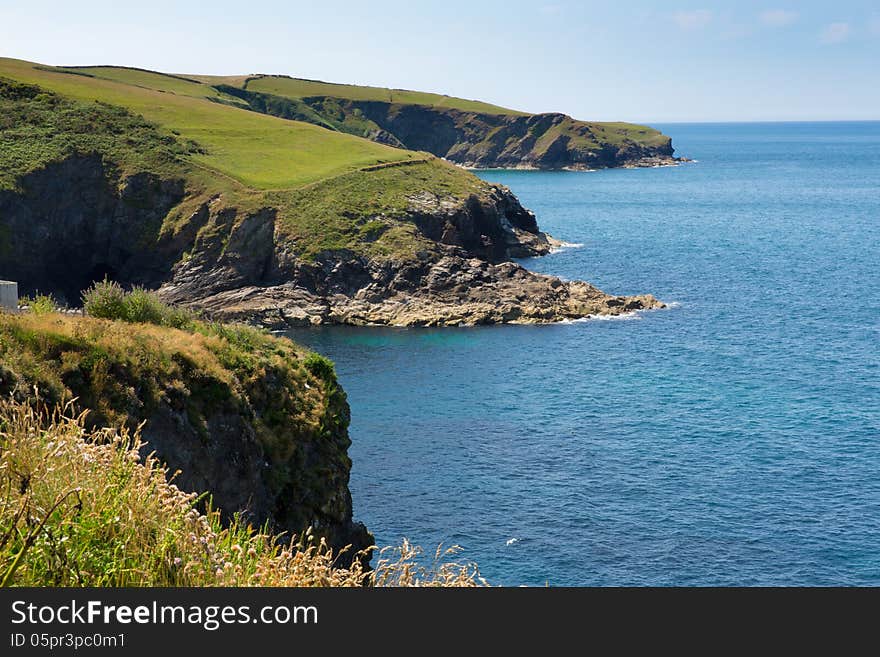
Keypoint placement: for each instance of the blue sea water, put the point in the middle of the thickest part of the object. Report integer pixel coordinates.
(732, 439)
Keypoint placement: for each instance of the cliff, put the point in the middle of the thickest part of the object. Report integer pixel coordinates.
(474, 137)
(258, 422)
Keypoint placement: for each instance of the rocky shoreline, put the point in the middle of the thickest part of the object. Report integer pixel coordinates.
(648, 162)
(467, 278)
(455, 291)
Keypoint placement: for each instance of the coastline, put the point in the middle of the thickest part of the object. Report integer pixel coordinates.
(641, 163)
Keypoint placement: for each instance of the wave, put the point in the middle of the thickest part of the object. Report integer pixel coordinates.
(623, 317)
(633, 315)
(565, 246)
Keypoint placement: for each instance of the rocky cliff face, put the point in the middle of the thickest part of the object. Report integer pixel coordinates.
(76, 221)
(467, 278)
(540, 141)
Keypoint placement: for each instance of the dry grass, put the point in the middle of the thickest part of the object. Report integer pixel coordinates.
(80, 507)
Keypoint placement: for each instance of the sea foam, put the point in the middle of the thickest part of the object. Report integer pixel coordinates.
(565, 246)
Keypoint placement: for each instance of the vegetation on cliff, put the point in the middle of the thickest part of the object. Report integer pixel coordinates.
(82, 506)
(256, 420)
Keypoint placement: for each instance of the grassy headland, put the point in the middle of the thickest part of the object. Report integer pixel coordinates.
(257, 150)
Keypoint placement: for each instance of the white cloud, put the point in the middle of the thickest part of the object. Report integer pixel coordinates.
(777, 17)
(874, 26)
(692, 20)
(835, 33)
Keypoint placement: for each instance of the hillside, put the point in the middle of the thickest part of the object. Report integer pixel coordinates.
(468, 132)
(287, 87)
(258, 151)
(167, 182)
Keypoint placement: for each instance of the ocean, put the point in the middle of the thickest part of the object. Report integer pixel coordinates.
(730, 439)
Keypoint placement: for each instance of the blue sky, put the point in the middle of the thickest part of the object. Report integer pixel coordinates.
(635, 61)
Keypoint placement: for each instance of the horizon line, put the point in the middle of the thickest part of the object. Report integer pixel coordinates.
(754, 121)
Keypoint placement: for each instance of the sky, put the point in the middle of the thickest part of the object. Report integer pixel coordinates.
(649, 62)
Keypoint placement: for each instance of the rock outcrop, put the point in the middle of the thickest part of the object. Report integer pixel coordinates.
(76, 221)
(453, 291)
(466, 278)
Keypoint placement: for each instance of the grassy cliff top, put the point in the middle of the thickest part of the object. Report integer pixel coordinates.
(257, 150)
(121, 371)
(280, 85)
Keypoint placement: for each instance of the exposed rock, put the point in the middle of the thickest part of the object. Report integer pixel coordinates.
(453, 291)
(493, 226)
(74, 222)
(467, 278)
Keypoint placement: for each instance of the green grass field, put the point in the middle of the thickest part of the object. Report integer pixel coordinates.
(175, 84)
(257, 150)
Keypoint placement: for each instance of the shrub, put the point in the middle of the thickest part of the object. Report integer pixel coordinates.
(321, 366)
(144, 306)
(41, 304)
(179, 318)
(106, 300)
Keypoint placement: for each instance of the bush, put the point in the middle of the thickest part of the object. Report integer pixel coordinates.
(105, 300)
(144, 306)
(321, 367)
(179, 318)
(41, 304)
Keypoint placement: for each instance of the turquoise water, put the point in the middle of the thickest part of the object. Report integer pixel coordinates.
(731, 439)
